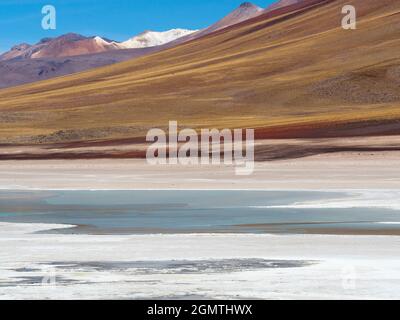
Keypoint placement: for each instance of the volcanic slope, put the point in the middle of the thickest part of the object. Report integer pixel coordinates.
(291, 72)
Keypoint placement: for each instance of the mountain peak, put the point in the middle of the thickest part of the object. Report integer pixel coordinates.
(247, 5)
(245, 11)
(71, 37)
(250, 6)
(20, 47)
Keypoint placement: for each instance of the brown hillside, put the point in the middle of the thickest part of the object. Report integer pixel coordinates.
(289, 73)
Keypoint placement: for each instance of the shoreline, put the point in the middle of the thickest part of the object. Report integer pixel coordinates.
(330, 172)
(256, 229)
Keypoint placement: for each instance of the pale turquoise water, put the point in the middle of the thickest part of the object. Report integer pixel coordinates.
(130, 212)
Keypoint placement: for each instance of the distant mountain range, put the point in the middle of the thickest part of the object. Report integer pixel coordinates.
(73, 44)
(70, 53)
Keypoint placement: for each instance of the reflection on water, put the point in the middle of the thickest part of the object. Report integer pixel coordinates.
(129, 212)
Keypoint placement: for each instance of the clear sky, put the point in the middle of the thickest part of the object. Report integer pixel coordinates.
(20, 20)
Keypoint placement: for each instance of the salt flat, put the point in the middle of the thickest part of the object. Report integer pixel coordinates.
(207, 265)
(202, 266)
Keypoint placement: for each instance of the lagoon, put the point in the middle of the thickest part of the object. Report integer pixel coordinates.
(174, 211)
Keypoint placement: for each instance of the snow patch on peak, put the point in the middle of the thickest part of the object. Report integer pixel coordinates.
(100, 40)
(107, 44)
(249, 5)
(153, 38)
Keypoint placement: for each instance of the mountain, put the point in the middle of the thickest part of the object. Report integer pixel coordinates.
(244, 12)
(72, 53)
(20, 71)
(53, 57)
(73, 44)
(288, 73)
(15, 51)
(67, 45)
(149, 39)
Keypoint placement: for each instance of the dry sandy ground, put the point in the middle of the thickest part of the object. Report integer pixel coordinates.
(265, 149)
(323, 172)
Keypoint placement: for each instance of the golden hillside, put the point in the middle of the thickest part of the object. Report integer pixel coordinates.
(291, 72)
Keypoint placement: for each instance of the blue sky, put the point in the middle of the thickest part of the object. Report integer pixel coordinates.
(20, 20)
